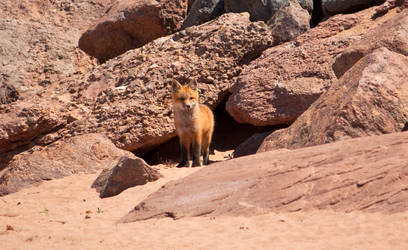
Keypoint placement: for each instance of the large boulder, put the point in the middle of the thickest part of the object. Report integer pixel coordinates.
(261, 10)
(82, 154)
(23, 122)
(203, 11)
(127, 173)
(38, 40)
(285, 80)
(365, 174)
(128, 97)
(370, 99)
(129, 25)
(332, 7)
(393, 34)
(289, 21)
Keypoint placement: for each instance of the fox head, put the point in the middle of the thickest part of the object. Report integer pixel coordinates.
(185, 97)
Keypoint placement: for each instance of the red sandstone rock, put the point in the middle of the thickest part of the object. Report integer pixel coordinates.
(365, 174)
(370, 99)
(23, 122)
(288, 22)
(282, 83)
(127, 173)
(129, 25)
(393, 35)
(81, 154)
(38, 40)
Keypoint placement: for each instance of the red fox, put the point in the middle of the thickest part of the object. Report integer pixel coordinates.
(194, 124)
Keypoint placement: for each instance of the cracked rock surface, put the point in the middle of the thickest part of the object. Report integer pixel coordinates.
(343, 176)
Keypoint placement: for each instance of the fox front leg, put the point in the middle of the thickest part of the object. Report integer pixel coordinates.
(196, 154)
(184, 153)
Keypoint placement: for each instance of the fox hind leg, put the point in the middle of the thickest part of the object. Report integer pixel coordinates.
(206, 148)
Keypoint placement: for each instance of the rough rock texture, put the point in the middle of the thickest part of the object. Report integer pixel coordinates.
(85, 154)
(128, 97)
(129, 25)
(261, 10)
(289, 21)
(389, 5)
(203, 11)
(127, 173)
(24, 122)
(331, 7)
(282, 83)
(250, 145)
(38, 40)
(371, 98)
(393, 35)
(8, 93)
(365, 174)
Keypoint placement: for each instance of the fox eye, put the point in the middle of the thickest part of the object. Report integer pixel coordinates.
(182, 99)
(191, 98)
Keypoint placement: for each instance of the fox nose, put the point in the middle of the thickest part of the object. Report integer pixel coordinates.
(189, 105)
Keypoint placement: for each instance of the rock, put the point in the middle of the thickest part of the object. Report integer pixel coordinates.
(8, 93)
(285, 80)
(129, 25)
(369, 99)
(128, 97)
(261, 10)
(393, 35)
(173, 13)
(332, 7)
(38, 40)
(203, 11)
(289, 21)
(250, 146)
(127, 173)
(366, 174)
(389, 5)
(81, 154)
(23, 122)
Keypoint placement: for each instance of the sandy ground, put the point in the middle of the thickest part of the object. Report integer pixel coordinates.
(68, 214)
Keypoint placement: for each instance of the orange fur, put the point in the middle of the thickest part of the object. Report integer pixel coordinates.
(194, 124)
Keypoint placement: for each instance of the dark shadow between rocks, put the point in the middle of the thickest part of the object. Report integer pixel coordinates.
(317, 13)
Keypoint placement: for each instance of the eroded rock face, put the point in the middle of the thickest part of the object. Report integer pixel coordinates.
(81, 154)
(261, 10)
(128, 97)
(393, 35)
(289, 21)
(282, 83)
(127, 173)
(129, 25)
(364, 174)
(370, 99)
(332, 7)
(38, 40)
(24, 122)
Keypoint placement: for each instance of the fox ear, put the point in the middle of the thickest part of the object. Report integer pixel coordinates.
(193, 84)
(175, 85)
